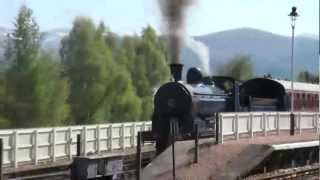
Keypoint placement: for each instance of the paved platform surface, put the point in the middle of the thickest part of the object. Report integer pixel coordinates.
(216, 162)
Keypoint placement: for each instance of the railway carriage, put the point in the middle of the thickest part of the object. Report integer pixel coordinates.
(306, 95)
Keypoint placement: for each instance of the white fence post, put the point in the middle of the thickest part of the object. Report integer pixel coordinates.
(15, 148)
(264, 118)
(122, 136)
(314, 122)
(251, 124)
(35, 146)
(143, 127)
(133, 134)
(278, 123)
(317, 122)
(98, 138)
(110, 138)
(299, 119)
(70, 143)
(53, 144)
(84, 141)
(221, 128)
(236, 126)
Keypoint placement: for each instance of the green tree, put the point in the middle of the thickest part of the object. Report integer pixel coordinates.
(101, 90)
(35, 93)
(154, 57)
(4, 122)
(135, 64)
(306, 76)
(239, 67)
(146, 60)
(26, 39)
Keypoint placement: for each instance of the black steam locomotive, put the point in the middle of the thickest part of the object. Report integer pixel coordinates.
(183, 105)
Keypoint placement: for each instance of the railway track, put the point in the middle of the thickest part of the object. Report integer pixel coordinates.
(52, 176)
(295, 173)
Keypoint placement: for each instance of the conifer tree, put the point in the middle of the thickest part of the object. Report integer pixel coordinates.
(35, 93)
(239, 67)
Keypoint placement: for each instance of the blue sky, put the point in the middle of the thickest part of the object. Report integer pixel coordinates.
(205, 16)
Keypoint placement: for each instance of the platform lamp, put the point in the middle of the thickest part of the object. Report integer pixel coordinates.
(293, 16)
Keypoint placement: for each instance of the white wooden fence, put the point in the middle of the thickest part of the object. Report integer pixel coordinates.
(264, 122)
(45, 145)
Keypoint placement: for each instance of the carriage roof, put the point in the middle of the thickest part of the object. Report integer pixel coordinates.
(300, 86)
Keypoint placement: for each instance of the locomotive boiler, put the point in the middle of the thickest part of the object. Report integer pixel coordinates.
(183, 105)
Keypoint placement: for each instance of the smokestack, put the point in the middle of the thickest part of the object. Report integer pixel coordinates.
(176, 71)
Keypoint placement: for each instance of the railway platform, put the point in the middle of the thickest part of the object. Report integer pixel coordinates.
(234, 159)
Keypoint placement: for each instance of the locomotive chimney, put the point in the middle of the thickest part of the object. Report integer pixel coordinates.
(176, 71)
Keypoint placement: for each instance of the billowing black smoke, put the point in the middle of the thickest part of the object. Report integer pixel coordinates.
(174, 12)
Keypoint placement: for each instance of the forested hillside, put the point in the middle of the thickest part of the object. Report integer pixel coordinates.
(94, 77)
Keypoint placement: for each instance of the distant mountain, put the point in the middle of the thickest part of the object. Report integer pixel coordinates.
(4, 31)
(307, 35)
(3, 36)
(270, 53)
(50, 39)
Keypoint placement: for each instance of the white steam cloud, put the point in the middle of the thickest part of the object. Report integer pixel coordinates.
(202, 51)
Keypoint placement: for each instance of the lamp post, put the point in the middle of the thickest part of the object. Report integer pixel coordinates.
(293, 15)
(319, 62)
(319, 91)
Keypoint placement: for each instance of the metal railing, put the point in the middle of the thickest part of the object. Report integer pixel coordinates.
(264, 122)
(46, 145)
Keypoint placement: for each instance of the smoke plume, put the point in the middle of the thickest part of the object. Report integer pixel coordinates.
(174, 12)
